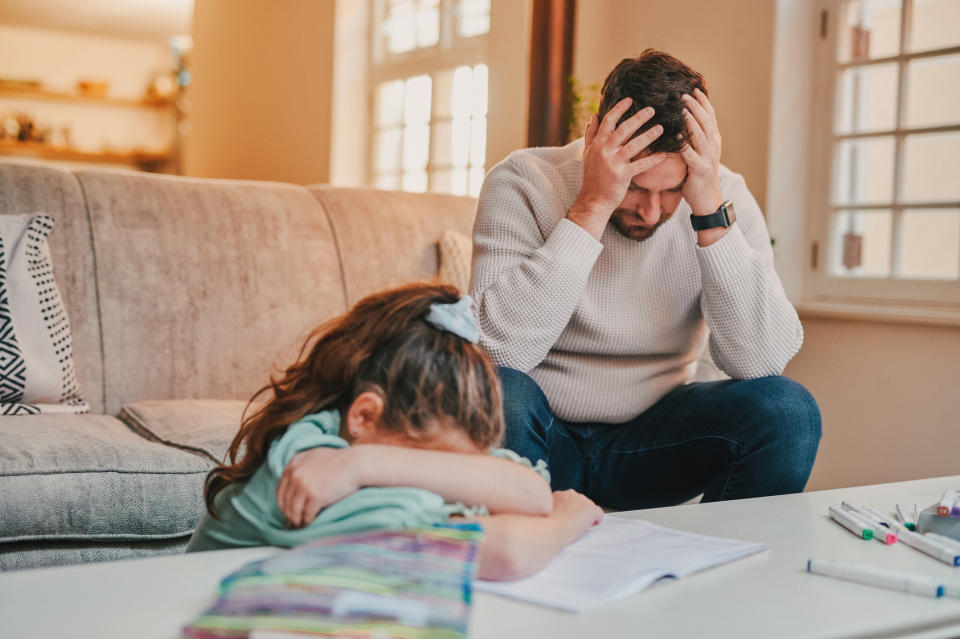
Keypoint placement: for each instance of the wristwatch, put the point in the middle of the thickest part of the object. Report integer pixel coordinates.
(724, 216)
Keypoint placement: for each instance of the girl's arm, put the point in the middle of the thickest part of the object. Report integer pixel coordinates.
(515, 546)
(318, 477)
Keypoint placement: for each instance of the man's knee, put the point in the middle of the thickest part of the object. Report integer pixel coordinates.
(526, 411)
(786, 415)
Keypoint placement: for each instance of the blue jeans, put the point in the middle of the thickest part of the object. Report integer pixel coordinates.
(727, 439)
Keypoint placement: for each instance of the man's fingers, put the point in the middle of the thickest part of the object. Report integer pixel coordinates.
(688, 154)
(281, 492)
(700, 115)
(697, 137)
(705, 103)
(591, 131)
(613, 116)
(296, 509)
(639, 143)
(634, 122)
(646, 163)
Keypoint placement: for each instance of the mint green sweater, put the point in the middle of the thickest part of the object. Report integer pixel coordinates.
(249, 515)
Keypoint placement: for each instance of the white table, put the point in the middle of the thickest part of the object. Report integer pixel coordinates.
(764, 595)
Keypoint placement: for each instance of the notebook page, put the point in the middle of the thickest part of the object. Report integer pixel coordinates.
(618, 558)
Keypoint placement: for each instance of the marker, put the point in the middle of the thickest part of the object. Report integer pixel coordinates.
(946, 503)
(946, 542)
(955, 511)
(929, 546)
(874, 520)
(905, 519)
(853, 525)
(951, 589)
(879, 577)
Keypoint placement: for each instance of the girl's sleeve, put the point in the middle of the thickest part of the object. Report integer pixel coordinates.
(540, 467)
(312, 431)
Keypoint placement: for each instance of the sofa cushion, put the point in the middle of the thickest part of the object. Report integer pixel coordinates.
(90, 477)
(206, 426)
(389, 238)
(26, 188)
(205, 285)
(456, 250)
(36, 348)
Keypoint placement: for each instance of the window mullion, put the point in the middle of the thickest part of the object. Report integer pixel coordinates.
(896, 237)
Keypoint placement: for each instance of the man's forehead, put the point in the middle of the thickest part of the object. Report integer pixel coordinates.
(670, 173)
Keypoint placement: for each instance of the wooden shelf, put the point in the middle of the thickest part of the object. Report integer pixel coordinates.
(60, 96)
(47, 152)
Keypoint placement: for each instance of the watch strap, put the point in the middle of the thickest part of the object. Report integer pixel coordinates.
(719, 218)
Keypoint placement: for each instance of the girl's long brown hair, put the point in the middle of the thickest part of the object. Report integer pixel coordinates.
(383, 344)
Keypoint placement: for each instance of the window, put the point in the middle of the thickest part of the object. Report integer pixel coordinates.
(429, 91)
(889, 174)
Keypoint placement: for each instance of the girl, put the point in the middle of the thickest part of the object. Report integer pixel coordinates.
(388, 422)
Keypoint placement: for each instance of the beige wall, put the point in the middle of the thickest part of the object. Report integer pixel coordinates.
(889, 398)
(261, 92)
(730, 43)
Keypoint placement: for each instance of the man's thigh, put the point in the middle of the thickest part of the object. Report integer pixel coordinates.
(726, 439)
(532, 431)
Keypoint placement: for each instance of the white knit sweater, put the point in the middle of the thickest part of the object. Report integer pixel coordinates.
(607, 328)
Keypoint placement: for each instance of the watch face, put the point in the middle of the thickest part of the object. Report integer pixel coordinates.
(731, 214)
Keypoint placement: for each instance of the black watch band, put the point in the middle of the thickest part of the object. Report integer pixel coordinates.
(722, 217)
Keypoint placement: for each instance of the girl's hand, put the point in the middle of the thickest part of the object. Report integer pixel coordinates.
(576, 510)
(313, 480)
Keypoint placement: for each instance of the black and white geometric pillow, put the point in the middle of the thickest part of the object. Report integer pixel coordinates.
(36, 351)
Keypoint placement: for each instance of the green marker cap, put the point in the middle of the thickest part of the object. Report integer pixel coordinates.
(910, 526)
(867, 534)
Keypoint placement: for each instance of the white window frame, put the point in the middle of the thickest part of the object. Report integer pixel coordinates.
(451, 51)
(820, 285)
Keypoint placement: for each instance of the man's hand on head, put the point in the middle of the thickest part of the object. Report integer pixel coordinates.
(610, 162)
(702, 187)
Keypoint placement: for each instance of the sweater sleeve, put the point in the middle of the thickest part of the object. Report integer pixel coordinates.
(525, 286)
(754, 329)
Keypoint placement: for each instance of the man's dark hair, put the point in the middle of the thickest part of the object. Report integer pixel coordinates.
(655, 79)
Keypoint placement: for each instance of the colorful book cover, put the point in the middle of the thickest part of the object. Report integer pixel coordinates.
(409, 584)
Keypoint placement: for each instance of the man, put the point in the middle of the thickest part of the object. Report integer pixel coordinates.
(601, 271)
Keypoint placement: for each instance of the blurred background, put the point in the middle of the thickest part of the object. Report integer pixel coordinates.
(842, 115)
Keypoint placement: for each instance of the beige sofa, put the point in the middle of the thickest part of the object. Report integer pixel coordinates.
(183, 294)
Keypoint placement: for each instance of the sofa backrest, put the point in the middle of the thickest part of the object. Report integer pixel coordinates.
(205, 285)
(183, 288)
(390, 237)
(27, 188)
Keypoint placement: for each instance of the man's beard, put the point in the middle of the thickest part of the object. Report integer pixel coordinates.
(634, 231)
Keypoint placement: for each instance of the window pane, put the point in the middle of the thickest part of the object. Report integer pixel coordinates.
(390, 182)
(931, 243)
(399, 26)
(478, 142)
(861, 244)
(931, 171)
(416, 99)
(462, 92)
(458, 181)
(415, 181)
(428, 23)
(390, 103)
(927, 81)
(867, 99)
(416, 146)
(460, 149)
(388, 150)
(480, 78)
(936, 24)
(474, 17)
(476, 181)
(863, 171)
(868, 29)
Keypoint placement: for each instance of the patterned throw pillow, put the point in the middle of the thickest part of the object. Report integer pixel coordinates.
(36, 352)
(455, 252)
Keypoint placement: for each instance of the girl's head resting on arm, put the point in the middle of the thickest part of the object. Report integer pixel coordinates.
(394, 377)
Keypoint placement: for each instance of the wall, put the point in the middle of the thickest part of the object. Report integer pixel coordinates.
(59, 59)
(889, 399)
(730, 43)
(261, 92)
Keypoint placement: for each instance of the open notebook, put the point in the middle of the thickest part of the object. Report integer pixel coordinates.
(617, 558)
